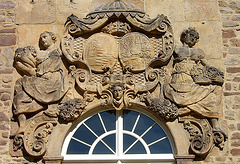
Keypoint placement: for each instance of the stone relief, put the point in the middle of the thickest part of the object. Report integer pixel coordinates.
(42, 85)
(196, 89)
(116, 58)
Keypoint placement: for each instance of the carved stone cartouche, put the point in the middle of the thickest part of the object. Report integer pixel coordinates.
(118, 58)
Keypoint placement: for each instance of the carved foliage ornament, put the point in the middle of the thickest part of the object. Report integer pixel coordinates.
(118, 58)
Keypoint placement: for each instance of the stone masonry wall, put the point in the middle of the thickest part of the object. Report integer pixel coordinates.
(217, 21)
(230, 12)
(8, 39)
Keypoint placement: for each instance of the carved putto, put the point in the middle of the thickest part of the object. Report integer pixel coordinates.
(115, 58)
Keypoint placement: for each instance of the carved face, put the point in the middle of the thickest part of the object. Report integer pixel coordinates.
(46, 40)
(191, 39)
(118, 92)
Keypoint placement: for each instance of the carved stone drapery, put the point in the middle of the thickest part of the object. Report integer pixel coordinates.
(117, 58)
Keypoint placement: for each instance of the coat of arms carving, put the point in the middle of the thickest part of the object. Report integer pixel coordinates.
(116, 57)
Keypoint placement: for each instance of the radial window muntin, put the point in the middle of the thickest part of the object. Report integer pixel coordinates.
(119, 154)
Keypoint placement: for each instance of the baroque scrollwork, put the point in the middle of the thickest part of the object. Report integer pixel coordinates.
(116, 58)
(201, 136)
(35, 137)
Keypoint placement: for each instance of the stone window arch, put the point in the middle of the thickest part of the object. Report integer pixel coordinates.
(119, 136)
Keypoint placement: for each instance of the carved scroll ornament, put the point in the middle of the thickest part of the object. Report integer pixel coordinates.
(117, 58)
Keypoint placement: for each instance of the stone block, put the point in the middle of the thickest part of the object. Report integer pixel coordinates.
(3, 117)
(3, 142)
(173, 9)
(231, 93)
(235, 5)
(5, 97)
(226, 10)
(210, 39)
(235, 144)
(228, 34)
(226, 17)
(40, 12)
(13, 30)
(232, 127)
(65, 8)
(7, 4)
(7, 103)
(235, 135)
(235, 42)
(228, 86)
(5, 91)
(234, 50)
(233, 70)
(236, 17)
(2, 12)
(5, 134)
(232, 60)
(235, 152)
(230, 24)
(222, 3)
(2, 19)
(201, 10)
(4, 127)
(7, 40)
(29, 34)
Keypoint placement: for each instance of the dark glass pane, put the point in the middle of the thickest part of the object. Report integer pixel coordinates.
(161, 147)
(138, 148)
(111, 141)
(77, 148)
(129, 119)
(127, 141)
(109, 119)
(154, 134)
(143, 124)
(101, 149)
(95, 125)
(84, 135)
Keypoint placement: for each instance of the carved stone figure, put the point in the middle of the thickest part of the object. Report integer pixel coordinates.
(191, 71)
(45, 83)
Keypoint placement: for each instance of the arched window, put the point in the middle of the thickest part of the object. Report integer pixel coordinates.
(124, 136)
